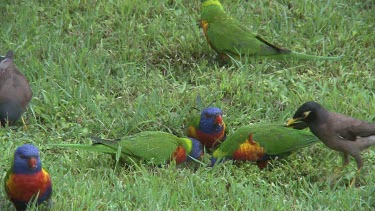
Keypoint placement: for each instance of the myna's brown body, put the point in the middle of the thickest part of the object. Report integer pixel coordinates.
(15, 92)
(339, 132)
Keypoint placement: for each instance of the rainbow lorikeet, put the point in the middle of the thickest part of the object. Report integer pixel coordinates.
(26, 179)
(208, 127)
(15, 92)
(148, 146)
(229, 38)
(263, 142)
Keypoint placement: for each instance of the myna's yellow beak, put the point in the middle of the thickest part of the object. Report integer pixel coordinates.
(291, 122)
(296, 120)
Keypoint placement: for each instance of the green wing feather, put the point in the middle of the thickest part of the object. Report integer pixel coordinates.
(276, 139)
(152, 146)
(227, 37)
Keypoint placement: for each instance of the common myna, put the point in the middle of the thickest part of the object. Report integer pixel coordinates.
(339, 132)
(15, 92)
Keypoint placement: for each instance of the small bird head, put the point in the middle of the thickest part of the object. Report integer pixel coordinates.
(210, 2)
(203, 1)
(196, 150)
(211, 120)
(307, 113)
(6, 61)
(26, 160)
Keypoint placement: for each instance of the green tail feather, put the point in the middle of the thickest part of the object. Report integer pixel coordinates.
(109, 143)
(301, 56)
(93, 148)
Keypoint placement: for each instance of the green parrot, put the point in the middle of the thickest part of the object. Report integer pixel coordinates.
(148, 146)
(263, 142)
(229, 38)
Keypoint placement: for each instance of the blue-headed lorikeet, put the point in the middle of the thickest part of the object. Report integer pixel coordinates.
(228, 37)
(26, 179)
(263, 142)
(208, 127)
(148, 146)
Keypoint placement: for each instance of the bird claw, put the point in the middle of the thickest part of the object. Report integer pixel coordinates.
(335, 174)
(24, 123)
(352, 182)
(355, 176)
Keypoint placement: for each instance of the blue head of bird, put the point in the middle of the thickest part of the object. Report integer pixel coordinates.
(211, 120)
(196, 150)
(26, 160)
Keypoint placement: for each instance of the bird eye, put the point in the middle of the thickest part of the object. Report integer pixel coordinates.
(23, 157)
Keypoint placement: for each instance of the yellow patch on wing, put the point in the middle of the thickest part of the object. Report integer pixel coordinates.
(204, 25)
(46, 176)
(9, 183)
(192, 132)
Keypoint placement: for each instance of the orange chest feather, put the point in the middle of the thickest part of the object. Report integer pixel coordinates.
(208, 140)
(249, 151)
(22, 187)
(179, 155)
(204, 26)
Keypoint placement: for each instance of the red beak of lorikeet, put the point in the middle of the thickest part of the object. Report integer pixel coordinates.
(219, 120)
(32, 162)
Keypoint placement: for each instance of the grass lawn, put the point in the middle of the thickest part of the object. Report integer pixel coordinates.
(115, 68)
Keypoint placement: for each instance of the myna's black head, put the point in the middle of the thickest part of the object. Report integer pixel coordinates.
(307, 112)
(9, 55)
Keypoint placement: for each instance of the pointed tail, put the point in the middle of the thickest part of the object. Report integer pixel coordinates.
(302, 57)
(93, 147)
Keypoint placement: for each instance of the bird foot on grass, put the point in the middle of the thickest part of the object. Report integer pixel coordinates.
(24, 123)
(334, 176)
(353, 180)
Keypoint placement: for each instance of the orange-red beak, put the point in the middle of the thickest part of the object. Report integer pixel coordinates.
(219, 120)
(32, 162)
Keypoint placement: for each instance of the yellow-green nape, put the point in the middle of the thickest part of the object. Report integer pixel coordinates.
(209, 2)
(219, 154)
(188, 144)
